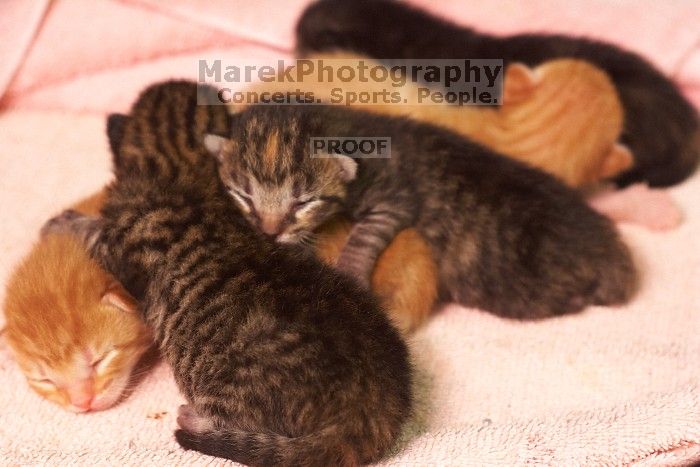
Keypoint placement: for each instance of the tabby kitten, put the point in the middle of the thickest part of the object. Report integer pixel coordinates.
(404, 279)
(282, 360)
(507, 238)
(73, 329)
(662, 129)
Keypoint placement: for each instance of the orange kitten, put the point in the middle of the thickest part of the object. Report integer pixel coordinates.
(564, 116)
(404, 278)
(73, 329)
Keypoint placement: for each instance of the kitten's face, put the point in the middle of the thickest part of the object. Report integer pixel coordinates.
(87, 372)
(75, 338)
(281, 189)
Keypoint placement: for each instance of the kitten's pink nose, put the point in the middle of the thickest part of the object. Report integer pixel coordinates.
(81, 395)
(271, 225)
(83, 402)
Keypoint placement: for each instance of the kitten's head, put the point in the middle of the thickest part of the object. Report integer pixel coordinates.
(73, 329)
(267, 168)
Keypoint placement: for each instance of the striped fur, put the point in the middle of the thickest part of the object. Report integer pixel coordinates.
(507, 238)
(282, 360)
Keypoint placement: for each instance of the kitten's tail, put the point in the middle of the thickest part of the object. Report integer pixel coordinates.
(323, 448)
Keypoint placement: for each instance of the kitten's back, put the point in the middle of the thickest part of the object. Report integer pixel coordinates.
(566, 123)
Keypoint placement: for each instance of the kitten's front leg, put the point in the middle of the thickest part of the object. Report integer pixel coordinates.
(85, 228)
(368, 238)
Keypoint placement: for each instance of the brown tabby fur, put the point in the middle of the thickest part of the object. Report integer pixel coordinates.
(564, 117)
(506, 238)
(73, 329)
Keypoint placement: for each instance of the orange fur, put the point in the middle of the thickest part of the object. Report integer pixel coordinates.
(73, 329)
(563, 117)
(404, 278)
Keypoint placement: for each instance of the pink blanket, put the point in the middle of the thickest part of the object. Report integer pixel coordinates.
(608, 386)
(95, 56)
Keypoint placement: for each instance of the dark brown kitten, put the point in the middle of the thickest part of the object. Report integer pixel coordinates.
(507, 238)
(283, 361)
(661, 127)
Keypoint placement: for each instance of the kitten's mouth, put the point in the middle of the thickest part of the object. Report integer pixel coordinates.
(78, 409)
(101, 401)
(93, 401)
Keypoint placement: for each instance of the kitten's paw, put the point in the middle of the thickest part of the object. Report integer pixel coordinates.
(62, 223)
(189, 420)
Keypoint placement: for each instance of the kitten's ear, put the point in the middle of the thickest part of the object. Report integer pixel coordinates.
(619, 159)
(519, 82)
(348, 167)
(115, 132)
(215, 145)
(116, 296)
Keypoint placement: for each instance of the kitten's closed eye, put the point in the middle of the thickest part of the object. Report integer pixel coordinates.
(302, 204)
(243, 199)
(103, 361)
(241, 193)
(43, 381)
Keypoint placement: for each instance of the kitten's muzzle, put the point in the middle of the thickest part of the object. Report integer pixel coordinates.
(272, 225)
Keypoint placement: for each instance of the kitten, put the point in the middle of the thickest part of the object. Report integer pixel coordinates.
(661, 127)
(404, 279)
(282, 360)
(506, 238)
(72, 327)
(563, 117)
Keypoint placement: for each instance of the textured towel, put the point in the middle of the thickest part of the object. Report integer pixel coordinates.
(607, 386)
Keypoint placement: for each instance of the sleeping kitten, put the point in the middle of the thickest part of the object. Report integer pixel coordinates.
(661, 128)
(563, 117)
(72, 327)
(507, 238)
(282, 360)
(404, 279)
